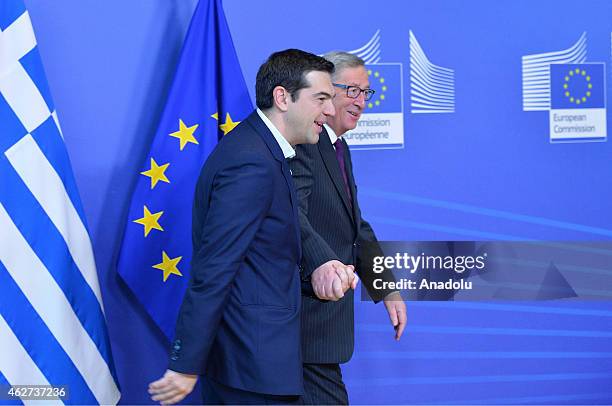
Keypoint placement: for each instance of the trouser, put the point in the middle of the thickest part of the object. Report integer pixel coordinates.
(214, 393)
(323, 385)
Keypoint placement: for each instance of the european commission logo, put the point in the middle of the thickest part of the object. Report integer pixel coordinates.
(432, 87)
(570, 89)
(536, 73)
(382, 122)
(578, 105)
(432, 90)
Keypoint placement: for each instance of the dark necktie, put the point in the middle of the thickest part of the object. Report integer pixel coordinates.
(340, 157)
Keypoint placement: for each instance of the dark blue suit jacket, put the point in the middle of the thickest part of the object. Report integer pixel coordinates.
(240, 319)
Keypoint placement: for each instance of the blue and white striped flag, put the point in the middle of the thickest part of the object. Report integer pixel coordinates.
(52, 324)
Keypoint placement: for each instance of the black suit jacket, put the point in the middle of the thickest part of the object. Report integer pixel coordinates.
(331, 228)
(240, 319)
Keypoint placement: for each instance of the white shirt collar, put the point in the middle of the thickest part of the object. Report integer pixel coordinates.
(287, 149)
(332, 135)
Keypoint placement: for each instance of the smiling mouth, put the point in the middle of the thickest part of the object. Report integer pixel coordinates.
(319, 124)
(354, 114)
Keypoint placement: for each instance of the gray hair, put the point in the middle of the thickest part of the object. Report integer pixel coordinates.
(343, 60)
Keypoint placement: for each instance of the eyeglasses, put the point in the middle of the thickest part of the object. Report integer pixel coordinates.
(354, 91)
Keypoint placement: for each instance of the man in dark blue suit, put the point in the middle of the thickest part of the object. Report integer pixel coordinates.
(239, 324)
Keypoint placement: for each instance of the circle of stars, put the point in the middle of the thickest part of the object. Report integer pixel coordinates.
(573, 75)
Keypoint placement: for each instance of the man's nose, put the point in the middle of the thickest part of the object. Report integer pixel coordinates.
(330, 109)
(360, 100)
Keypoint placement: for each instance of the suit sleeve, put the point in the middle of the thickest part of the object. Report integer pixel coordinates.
(315, 250)
(240, 198)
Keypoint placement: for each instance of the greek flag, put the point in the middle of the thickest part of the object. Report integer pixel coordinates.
(52, 325)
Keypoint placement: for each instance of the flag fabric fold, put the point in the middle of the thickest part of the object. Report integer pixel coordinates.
(207, 99)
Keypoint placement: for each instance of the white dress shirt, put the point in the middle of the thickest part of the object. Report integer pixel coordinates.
(287, 149)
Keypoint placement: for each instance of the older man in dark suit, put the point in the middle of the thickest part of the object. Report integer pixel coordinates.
(332, 232)
(239, 325)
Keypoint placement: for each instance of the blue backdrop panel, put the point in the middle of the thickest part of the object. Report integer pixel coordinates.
(485, 171)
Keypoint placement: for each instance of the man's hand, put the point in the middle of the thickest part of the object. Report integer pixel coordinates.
(397, 312)
(172, 387)
(347, 275)
(332, 279)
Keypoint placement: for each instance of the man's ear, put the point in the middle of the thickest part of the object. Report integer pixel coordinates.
(281, 96)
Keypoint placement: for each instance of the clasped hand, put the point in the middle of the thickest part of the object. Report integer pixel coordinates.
(332, 279)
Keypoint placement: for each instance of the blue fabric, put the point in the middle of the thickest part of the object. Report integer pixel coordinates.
(208, 83)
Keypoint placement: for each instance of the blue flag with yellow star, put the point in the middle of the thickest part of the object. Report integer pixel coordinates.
(577, 86)
(207, 99)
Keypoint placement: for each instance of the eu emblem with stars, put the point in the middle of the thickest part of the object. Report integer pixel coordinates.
(578, 105)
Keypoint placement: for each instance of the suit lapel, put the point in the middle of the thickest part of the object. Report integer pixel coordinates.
(277, 152)
(328, 154)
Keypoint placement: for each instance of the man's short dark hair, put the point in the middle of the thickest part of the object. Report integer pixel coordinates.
(288, 69)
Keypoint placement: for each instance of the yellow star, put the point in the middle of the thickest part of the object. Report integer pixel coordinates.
(168, 265)
(215, 116)
(229, 125)
(185, 134)
(150, 221)
(156, 173)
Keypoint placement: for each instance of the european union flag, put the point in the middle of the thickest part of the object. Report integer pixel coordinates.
(208, 98)
(52, 324)
(386, 80)
(577, 86)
